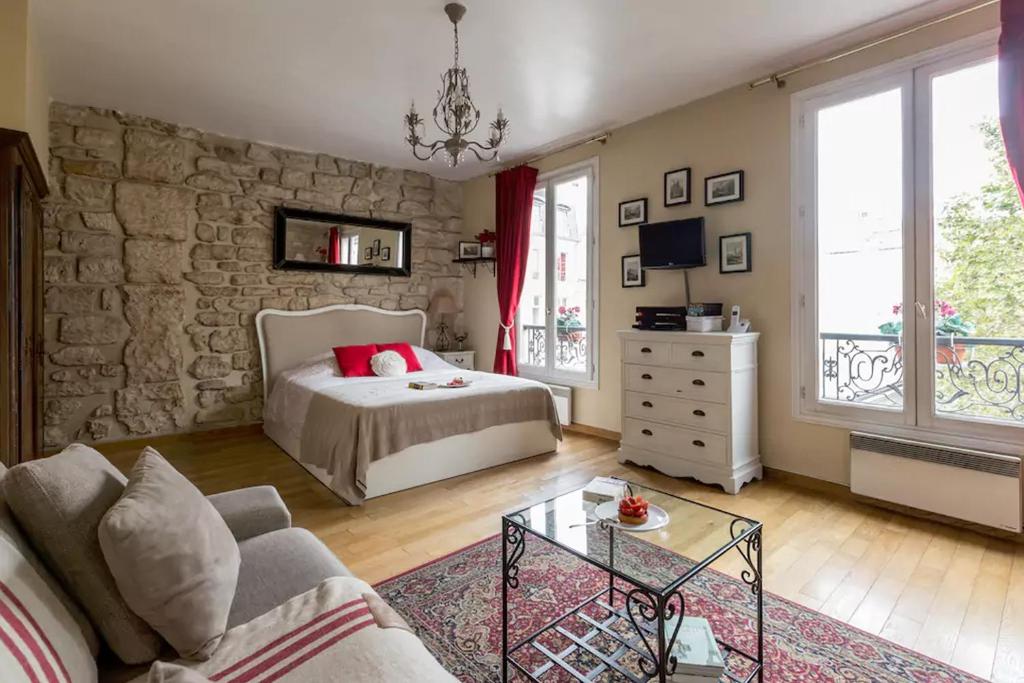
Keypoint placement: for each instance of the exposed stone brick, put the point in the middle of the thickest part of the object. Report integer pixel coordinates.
(78, 355)
(92, 167)
(209, 367)
(59, 269)
(91, 329)
(229, 340)
(100, 269)
(88, 243)
(71, 299)
(154, 261)
(96, 137)
(88, 193)
(101, 222)
(153, 210)
(149, 156)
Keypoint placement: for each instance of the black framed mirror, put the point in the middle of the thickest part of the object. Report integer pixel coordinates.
(332, 242)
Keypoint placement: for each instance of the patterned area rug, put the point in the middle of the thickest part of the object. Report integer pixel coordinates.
(455, 605)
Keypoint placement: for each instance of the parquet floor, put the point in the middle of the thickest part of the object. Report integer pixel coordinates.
(952, 594)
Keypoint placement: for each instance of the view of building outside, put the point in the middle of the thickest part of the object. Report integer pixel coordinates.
(977, 256)
(568, 280)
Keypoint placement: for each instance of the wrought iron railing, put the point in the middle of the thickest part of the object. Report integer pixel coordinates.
(974, 376)
(570, 353)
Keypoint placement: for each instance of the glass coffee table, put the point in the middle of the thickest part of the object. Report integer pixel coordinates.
(636, 615)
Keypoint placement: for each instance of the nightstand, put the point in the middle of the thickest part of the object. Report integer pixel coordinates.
(463, 359)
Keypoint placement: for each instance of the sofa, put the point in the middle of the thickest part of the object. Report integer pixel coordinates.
(287, 580)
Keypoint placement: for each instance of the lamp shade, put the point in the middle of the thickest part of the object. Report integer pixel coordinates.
(443, 303)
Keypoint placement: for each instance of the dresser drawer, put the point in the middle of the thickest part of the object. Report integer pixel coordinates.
(649, 353)
(679, 383)
(712, 416)
(679, 441)
(714, 357)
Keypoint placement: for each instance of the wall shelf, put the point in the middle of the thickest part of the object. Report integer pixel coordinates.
(471, 263)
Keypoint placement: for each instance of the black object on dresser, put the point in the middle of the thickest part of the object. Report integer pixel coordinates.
(660, 318)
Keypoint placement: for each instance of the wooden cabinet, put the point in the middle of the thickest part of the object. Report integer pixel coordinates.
(689, 405)
(22, 187)
(463, 359)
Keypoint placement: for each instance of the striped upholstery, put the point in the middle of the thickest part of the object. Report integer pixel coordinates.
(334, 632)
(39, 640)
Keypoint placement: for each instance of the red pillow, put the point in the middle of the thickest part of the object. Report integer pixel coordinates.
(403, 349)
(354, 361)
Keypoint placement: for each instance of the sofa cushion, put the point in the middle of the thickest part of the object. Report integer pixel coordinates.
(41, 640)
(168, 672)
(10, 532)
(278, 566)
(58, 502)
(172, 556)
(252, 511)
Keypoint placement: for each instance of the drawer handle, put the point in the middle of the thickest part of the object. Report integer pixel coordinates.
(645, 376)
(697, 354)
(645, 349)
(698, 442)
(647, 432)
(699, 413)
(647, 404)
(698, 382)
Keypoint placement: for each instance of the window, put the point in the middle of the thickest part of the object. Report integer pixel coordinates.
(559, 299)
(907, 251)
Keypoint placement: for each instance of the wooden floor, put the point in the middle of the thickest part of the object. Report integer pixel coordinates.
(951, 594)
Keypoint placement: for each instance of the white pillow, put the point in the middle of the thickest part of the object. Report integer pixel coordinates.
(388, 364)
(49, 640)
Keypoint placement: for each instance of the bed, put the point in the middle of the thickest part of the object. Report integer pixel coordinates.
(370, 436)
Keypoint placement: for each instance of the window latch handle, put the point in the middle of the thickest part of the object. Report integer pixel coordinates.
(921, 310)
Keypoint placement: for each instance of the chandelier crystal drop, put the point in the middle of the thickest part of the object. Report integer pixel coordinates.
(455, 114)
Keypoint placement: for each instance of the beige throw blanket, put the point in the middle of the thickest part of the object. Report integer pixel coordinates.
(339, 631)
(348, 427)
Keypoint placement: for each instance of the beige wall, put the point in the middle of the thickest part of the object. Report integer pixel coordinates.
(24, 96)
(735, 129)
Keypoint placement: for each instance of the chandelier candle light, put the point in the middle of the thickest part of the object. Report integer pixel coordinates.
(455, 114)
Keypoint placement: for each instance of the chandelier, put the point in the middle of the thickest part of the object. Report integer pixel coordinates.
(455, 114)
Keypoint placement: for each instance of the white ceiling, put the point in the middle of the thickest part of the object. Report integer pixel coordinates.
(336, 76)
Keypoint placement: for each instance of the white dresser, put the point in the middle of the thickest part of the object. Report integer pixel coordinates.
(689, 405)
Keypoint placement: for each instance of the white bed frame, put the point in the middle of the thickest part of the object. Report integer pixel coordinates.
(306, 335)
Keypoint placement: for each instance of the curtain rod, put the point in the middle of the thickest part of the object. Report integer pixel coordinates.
(779, 77)
(602, 138)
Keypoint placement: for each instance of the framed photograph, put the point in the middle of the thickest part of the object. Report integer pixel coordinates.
(368, 254)
(724, 188)
(633, 212)
(632, 271)
(385, 254)
(469, 250)
(677, 187)
(734, 253)
(376, 247)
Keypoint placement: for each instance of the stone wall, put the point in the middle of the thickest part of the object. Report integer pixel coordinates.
(158, 256)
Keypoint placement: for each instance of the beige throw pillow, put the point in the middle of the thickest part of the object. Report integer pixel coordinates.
(173, 558)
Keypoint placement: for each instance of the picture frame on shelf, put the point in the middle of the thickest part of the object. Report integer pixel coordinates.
(734, 253)
(376, 247)
(368, 254)
(468, 250)
(632, 271)
(385, 254)
(677, 187)
(632, 212)
(723, 188)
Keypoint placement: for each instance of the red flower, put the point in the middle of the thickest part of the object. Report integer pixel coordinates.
(561, 310)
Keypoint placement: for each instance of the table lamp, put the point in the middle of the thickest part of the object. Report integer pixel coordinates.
(442, 304)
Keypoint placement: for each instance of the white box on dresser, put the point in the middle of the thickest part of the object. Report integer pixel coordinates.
(689, 405)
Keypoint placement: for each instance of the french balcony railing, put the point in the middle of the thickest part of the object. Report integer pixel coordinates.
(570, 352)
(974, 376)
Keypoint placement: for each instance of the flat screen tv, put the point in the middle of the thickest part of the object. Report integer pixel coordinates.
(673, 244)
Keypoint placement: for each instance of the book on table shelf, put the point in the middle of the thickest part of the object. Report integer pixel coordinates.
(698, 658)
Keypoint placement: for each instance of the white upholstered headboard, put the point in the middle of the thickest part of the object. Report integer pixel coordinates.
(289, 337)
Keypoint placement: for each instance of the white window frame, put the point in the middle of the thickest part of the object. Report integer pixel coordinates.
(918, 418)
(550, 374)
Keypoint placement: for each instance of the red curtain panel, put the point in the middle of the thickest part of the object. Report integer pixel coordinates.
(513, 207)
(1011, 86)
(334, 247)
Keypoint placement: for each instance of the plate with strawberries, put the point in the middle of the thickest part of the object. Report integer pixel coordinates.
(632, 513)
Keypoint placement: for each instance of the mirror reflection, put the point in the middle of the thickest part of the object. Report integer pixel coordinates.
(306, 240)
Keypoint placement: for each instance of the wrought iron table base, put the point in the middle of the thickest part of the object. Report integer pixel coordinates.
(645, 640)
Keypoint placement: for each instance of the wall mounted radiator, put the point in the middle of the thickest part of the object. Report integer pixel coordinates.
(984, 488)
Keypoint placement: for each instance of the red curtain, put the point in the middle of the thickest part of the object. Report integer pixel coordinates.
(334, 247)
(1011, 87)
(513, 207)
